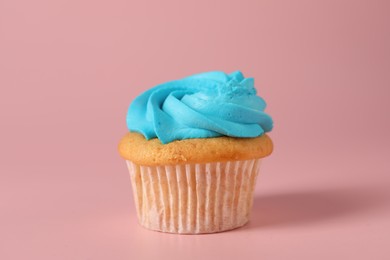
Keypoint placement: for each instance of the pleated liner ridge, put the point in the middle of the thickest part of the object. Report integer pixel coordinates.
(194, 198)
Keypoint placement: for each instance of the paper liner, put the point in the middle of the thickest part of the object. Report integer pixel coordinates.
(194, 198)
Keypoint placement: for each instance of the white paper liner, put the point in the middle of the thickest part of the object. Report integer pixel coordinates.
(194, 198)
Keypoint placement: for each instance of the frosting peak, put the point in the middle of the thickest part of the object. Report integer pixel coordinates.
(204, 105)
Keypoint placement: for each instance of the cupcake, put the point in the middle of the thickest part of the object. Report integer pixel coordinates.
(193, 151)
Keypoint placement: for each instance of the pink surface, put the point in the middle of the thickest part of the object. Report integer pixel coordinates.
(69, 69)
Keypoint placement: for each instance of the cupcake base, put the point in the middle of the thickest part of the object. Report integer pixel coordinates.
(194, 198)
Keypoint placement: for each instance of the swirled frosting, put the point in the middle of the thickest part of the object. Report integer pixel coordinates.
(204, 105)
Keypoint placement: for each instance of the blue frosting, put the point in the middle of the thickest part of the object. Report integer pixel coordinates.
(205, 105)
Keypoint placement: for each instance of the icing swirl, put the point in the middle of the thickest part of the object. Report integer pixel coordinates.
(204, 105)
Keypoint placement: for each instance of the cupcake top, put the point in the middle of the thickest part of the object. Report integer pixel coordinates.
(136, 148)
(175, 122)
(205, 105)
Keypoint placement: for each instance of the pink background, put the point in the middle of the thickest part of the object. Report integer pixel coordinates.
(69, 69)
